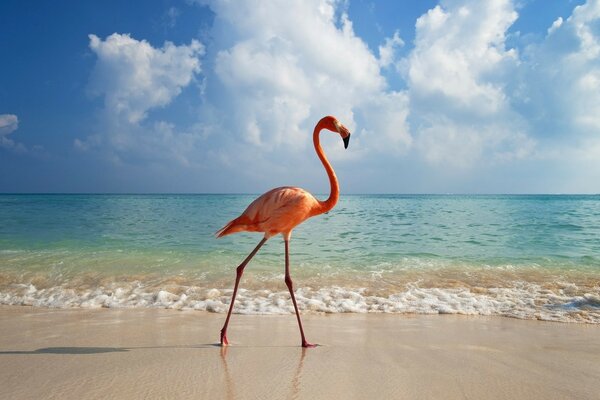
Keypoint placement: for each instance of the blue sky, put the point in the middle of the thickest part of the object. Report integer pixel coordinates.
(457, 96)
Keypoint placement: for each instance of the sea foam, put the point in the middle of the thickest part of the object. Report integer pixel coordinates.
(523, 300)
(518, 256)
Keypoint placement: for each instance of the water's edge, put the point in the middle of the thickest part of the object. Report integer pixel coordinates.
(530, 257)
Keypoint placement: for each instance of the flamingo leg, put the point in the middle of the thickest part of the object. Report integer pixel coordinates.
(289, 284)
(238, 276)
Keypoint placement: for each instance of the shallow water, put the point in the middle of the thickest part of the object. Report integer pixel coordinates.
(519, 256)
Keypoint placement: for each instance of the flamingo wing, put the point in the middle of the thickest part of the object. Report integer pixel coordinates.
(276, 211)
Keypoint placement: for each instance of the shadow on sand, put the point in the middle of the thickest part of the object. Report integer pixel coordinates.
(69, 350)
(99, 350)
(229, 380)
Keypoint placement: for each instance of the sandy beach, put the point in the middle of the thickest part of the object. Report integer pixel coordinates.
(154, 353)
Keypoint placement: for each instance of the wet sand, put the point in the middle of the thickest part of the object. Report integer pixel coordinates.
(152, 353)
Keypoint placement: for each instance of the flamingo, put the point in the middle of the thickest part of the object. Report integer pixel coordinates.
(280, 210)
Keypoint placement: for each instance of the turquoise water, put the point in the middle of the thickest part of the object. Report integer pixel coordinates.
(519, 256)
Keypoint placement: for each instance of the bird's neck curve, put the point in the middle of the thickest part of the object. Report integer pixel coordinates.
(334, 193)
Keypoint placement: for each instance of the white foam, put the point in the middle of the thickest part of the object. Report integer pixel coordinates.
(522, 300)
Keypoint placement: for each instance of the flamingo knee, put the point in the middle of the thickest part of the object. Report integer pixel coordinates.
(289, 283)
(239, 271)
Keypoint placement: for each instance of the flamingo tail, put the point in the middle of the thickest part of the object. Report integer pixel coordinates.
(232, 226)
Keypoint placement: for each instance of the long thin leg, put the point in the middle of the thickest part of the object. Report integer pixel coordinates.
(238, 276)
(289, 284)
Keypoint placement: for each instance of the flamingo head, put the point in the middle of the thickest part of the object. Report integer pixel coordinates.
(332, 124)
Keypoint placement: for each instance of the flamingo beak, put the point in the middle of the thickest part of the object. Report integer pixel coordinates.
(346, 140)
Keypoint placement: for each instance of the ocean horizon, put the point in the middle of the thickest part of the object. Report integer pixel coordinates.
(529, 256)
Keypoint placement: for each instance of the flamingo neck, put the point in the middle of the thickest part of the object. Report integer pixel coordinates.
(334, 194)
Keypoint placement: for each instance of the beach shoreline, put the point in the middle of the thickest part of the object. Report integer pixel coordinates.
(157, 353)
(517, 256)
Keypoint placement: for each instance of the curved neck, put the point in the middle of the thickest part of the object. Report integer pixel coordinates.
(334, 194)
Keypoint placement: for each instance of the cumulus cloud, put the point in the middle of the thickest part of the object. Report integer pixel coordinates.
(471, 99)
(457, 73)
(8, 124)
(288, 63)
(562, 95)
(387, 51)
(555, 25)
(276, 68)
(459, 53)
(569, 58)
(133, 77)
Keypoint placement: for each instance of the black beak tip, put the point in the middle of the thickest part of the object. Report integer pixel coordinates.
(346, 141)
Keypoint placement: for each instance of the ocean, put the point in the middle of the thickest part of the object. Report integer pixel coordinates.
(521, 256)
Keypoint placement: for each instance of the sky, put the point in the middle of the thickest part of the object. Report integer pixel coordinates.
(203, 96)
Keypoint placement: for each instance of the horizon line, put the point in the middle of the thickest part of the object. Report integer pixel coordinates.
(257, 193)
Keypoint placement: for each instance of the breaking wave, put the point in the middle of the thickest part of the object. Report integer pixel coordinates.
(549, 301)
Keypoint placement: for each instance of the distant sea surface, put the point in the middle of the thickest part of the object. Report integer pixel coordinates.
(525, 256)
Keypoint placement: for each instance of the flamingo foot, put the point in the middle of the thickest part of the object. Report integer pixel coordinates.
(307, 345)
(224, 341)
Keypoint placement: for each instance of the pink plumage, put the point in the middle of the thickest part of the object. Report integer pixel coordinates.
(279, 211)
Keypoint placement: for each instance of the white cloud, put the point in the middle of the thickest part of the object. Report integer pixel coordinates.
(445, 141)
(279, 67)
(8, 124)
(385, 123)
(474, 102)
(555, 25)
(134, 78)
(471, 103)
(559, 95)
(285, 64)
(569, 58)
(459, 54)
(457, 73)
(388, 49)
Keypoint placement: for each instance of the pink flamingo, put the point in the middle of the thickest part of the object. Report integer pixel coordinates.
(279, 211)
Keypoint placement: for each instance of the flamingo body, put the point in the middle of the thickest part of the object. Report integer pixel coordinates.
(277, 211)
(280, 210)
